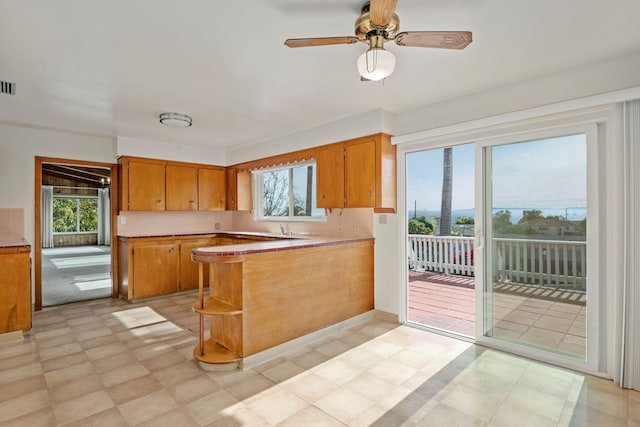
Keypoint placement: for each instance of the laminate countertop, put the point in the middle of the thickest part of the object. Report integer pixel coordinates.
(16, 245)
(279, 243)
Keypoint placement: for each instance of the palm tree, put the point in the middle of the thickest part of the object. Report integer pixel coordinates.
(447, 184)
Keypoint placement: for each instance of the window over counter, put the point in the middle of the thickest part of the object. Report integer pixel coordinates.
(75, 215)
(287, 193)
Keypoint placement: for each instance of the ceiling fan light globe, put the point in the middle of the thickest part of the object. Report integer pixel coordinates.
(376, 64)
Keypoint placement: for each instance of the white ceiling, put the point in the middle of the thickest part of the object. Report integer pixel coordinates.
(110, 67)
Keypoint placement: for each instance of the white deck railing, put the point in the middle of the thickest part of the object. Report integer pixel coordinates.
(443, 254)
(553, 263)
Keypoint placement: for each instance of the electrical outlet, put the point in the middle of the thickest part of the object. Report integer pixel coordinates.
(339, 230)
(356, 231)
(217, 226)
(382, 219)
(123, 220)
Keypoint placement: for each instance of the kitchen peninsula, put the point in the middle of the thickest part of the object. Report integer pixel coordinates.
(272, 290)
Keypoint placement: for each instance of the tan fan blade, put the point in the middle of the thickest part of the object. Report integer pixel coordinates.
(320, 41)
(437, 39)
(381, 11)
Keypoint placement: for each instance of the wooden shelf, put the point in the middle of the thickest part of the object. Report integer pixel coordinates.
(215, 306)
(215, 353)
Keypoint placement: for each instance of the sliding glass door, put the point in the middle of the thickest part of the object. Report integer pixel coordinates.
(534, 248)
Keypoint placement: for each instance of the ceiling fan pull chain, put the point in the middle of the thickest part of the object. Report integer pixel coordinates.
(373, 54)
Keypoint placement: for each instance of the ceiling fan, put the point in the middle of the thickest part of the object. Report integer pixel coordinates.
(378, 24)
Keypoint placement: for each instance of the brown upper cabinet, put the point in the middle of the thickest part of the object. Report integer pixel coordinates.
(143, 185)
(182, 188)
(238, 190)
(358, 173)
(211, 189)
(158, 185)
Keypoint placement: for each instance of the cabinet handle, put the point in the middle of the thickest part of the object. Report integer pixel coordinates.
(172, 250)
(158, 200)
(369, 194)
(192, 201)
(322, 196)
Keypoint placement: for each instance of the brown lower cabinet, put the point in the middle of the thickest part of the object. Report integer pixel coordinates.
(15, 289)
(155, 266)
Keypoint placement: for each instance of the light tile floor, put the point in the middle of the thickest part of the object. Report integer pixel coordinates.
(109, 363)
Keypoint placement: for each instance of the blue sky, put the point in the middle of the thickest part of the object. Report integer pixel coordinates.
(549, 173)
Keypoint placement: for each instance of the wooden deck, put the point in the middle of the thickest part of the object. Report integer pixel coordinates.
(549, 318)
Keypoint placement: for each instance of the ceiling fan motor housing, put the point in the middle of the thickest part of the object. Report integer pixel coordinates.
(365, 28)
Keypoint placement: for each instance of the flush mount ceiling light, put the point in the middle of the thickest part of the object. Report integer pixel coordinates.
(175, 120)
(376, 63)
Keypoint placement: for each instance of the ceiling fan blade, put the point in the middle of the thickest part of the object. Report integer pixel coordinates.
(320, 41)
(436, 39)
(381, 11)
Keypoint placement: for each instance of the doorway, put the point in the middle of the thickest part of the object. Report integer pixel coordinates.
(75, 218)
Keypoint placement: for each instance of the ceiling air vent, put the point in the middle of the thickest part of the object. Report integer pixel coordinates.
(8, 88)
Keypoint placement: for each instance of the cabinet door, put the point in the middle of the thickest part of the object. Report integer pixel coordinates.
(211, 189)
(15, 292)
(360, 175)
(182, 188)
(330, 177)
(146, 186)
(155, 269)
(243, 191)
(232, 189)
(189, 276)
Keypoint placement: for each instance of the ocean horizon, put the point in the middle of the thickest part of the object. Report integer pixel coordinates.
(573, 213)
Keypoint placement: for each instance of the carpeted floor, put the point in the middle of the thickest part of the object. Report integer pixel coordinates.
(75, 273)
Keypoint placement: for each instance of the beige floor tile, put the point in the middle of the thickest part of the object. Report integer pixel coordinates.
(370, 386)
(212, 407)
(82, 407)
(40, 418)
(76, 388)
(394, 372)
(64, 361)
(177, 373)
(250, 387)
(311, 416)
(113, 349)
(283, 371)
(479, 405)
(22, 387)
(508, 413)
(147, 407)
(443, 415)
(111, 417)
(174, 418)
(309, 359)
(338, 371)
(123, 374)
(25, 404)
(334, 348)
(115, 361)
(192, 389)
(64, 375)
(310, 387)
(277, 405)
(536, 402)
(61, 350)
(163, 360)
(19, 373)
(362, 358)
(134, 389)
(344, 404)
(99, 341)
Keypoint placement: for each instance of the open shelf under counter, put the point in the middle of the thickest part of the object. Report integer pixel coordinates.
(215, 353)
(213, 306)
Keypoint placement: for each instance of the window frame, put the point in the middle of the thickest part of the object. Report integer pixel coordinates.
(257, 184)
(77, 199)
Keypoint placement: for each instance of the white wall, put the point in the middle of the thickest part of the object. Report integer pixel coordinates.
(374, 121)
(18, 148)
(126, 146)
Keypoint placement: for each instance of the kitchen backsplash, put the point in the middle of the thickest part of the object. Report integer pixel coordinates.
(11, 224)
(339, 222)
